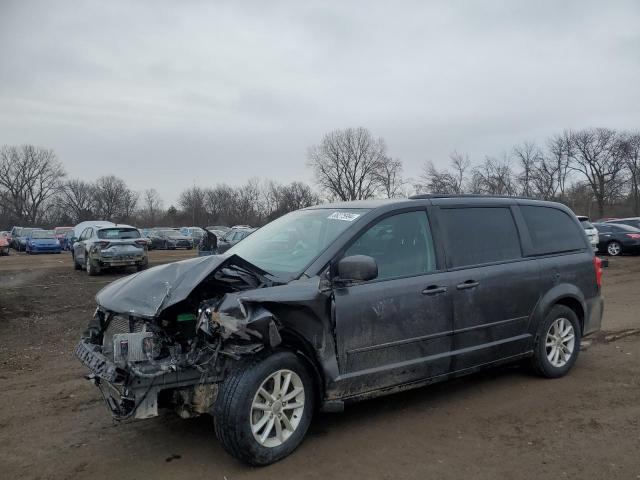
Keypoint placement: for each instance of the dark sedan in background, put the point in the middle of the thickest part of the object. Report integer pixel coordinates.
(169, 239)
(631, 221)
(616, 239)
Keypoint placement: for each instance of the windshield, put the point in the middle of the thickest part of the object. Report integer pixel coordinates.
(118, 233)
(42, 234)
(287, 245)
(64, 230)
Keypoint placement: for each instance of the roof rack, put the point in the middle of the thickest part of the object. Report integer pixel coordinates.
(424, 196)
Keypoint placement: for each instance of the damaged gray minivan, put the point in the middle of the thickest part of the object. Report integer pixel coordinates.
(342, 302)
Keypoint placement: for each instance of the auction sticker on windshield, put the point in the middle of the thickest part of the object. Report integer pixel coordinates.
(347, 217)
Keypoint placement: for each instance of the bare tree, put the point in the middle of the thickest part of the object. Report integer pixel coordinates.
(347, 163)
(494, 177)
(115, 201)
(390, 178)
(151, 206)
(630, 147)
(529, 157)
(78, 198)
(192, 201)
(596, 154)
(449, 181)
(29, 177)
(558, 160)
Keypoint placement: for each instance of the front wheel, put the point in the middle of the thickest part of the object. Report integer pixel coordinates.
(264, 408)
(557, 343)
(614, 248)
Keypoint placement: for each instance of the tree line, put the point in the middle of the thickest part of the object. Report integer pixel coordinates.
(596, 171)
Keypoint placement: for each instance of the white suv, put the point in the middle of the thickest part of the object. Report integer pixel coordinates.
(590, 231)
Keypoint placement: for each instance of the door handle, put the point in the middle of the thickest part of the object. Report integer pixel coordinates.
(468, 284)
(434, 290)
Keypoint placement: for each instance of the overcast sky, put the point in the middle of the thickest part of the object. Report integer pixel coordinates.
(165, 93)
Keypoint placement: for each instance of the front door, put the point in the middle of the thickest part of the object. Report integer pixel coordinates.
(395, 329)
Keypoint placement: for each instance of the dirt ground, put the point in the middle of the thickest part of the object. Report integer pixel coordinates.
(504, 423)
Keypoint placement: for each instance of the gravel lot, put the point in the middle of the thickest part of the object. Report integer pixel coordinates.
(502, 423)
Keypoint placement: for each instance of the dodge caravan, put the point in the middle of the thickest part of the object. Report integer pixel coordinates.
(341, 302)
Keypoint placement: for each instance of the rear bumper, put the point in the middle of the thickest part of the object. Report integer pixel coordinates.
(595, 310)
(40, 249)
(116, 260)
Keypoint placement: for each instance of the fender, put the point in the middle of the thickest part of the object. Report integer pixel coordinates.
(560, 292)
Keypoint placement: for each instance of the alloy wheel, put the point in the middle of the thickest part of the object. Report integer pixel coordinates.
(560, 342)
(614, 249)
(277, 408)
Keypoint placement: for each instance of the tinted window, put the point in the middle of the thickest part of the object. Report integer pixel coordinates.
(552, 230)
(602, 228)
(623, 229)
(479, 235)
(401, 245)
(118, 233)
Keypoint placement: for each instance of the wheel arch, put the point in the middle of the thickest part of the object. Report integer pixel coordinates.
(293, 341)
(567, 295)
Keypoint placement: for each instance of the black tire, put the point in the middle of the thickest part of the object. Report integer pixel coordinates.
(92, 268)
(143, 266)
(232, 410)
(614, 248)
(540, 362)
(76, 265)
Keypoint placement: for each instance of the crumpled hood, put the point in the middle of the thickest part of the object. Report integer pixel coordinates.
(142, 294)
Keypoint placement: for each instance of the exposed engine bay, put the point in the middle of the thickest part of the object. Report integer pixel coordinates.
(164, 337)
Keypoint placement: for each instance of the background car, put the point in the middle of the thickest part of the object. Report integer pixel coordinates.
(169, 239)
(103, 247)
(61, 232)
(631, 221)
(66, 242)
(14, 234)
(4, 243)
(232, 237)
(195, 233)
(617, 239)
(42, 241)
(590, 231)
(20, 242)
(218, 228)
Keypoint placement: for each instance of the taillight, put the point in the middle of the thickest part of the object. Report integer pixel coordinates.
(635, 236)
(103, 245)
(597, 264)
(142, 242)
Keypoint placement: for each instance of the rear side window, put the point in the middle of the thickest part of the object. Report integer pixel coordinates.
(552, 230)
(479, 235)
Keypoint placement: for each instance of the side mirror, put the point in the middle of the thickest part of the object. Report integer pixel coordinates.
(357, 268)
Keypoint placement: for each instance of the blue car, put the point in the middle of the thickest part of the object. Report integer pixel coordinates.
(42, 241)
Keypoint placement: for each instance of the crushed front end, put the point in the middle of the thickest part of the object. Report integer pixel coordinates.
(174, 355)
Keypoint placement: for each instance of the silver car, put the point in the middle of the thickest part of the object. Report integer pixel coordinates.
(101, 247)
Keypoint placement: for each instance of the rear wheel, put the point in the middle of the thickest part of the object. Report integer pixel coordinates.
(614, 248)
(92, 268)
(557, 343)
(264, 408)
